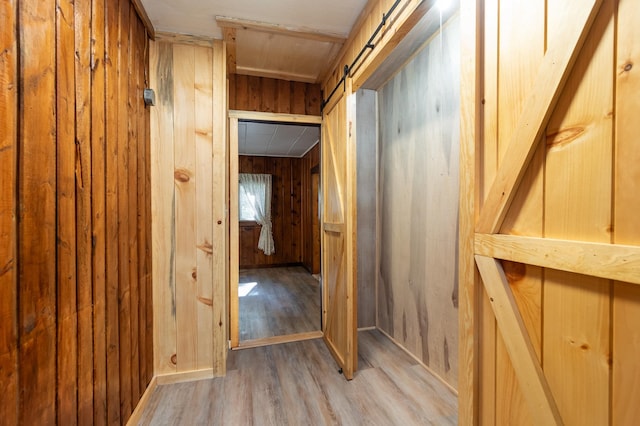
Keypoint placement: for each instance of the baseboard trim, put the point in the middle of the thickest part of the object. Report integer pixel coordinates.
(135, 417)
(267, 341)
(185, 376)
(419, 361)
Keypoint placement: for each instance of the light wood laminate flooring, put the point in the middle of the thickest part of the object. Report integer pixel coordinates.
(298, 384)
(278, 302)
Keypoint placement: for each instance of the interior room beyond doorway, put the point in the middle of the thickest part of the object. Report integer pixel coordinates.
(276, 296)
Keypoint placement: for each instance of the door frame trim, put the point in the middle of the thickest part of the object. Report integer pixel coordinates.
(234, 117)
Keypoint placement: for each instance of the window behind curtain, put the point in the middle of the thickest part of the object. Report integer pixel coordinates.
(246, 199)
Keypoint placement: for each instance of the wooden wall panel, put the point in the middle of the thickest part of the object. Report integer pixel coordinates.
(61, 353)
(626, 226)
(286, 212)
(36, 260)
(310, 239)
(83, 185)
(577, 187)
(98, 212)
(188, 154)
(367, 149)
(67, 342)
(397, 25)
(203, 80)
(185, 205)
(249, 93)
(123, 158)
(9, 398)
(111, 171)
(419, 142)
(577, 206)
(519, 55)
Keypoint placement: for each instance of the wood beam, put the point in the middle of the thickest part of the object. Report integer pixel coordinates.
(468, 288)
(533, 383)
(278, 75)
(296, 32)
(184, 39)
(270, 116)
(407, 16)
(547, 88)
(229, 36)
(609, 261)
(142, 13)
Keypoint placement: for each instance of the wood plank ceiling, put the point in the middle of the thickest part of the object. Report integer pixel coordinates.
(284, 39)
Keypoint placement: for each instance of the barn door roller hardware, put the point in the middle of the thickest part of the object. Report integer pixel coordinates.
(369, 45)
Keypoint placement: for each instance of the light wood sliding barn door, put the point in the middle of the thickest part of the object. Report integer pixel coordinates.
(339, 232)
(549, 235)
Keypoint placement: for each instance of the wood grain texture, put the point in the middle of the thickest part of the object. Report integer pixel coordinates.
(98, 211)
(367, 168)
(63, 333)
(278, 302)
(273, 95)
(124, 280)
(586, 204)
(286, 208)
(111, 170)
(83, 183)
(339, 239)
(487, 166)
(204, 202)
(576, 330)
(67, 335)
(535, 115)
(234, 236)
(469, 286)
(37, 213)
(189, 169)
(419, 146)
(519, 57)
(132, 210)
(533, 384)
(184, 171)
(626, 298)
(9, 73)
(62, 338)
(310, 181)
(281, 384)
(162, 207)
(611, 261)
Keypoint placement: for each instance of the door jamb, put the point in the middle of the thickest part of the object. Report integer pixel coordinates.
(234, 117)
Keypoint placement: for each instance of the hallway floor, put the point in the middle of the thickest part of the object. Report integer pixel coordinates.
(298, 384)
(278, 302)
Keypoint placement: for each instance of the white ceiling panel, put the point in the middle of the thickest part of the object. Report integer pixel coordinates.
(276, 140)
(197, 17)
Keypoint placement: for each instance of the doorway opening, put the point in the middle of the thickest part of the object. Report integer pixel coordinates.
(275, 289)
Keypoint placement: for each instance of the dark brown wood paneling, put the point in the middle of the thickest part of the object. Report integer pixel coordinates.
(67, 319)
(124, 286)
(285, 213)
(37, 214)
(310, 244)
(8, 206)
(98, 205)
(132, 204)
(249, 93)
(112, 332)
(72, 102)
(82, 21)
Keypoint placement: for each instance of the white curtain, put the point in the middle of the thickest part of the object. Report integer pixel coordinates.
(259, 185)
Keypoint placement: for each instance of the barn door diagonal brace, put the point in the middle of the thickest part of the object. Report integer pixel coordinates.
(547, 88)
(531, 378)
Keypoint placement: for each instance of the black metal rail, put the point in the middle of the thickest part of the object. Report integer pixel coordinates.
(368, 45)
